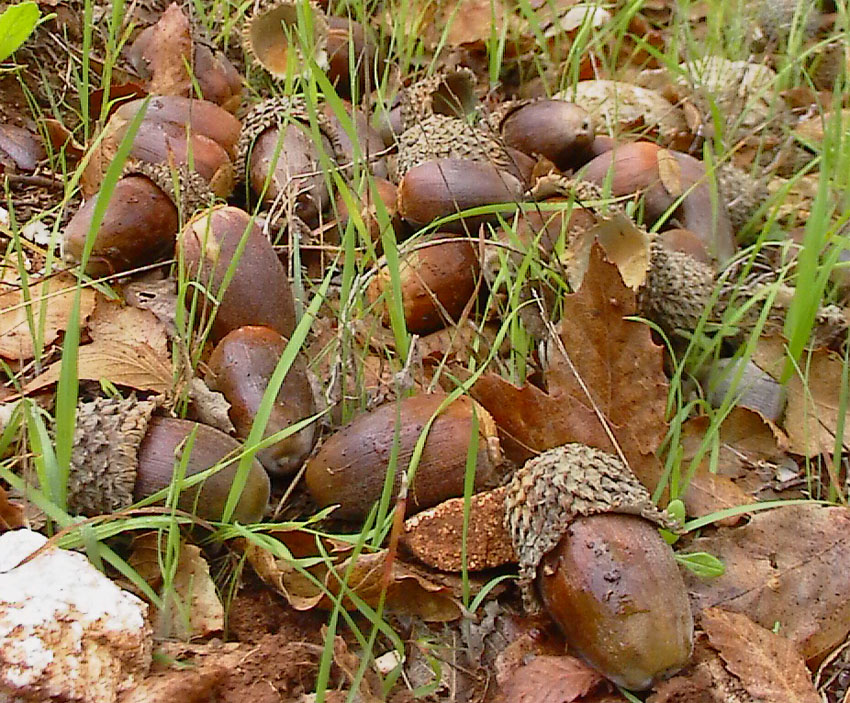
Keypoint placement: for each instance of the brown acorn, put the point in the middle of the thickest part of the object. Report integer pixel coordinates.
(218, 79)
(558, 130)
(388, 195)
(141, 221)
(241, 367)
(122, 454)
(258, 292)
(585, 531)
(441, 188)
(438, 279)
(175, 131)
(348, 37)
(661, 177)
(370, 145)
(350, 467)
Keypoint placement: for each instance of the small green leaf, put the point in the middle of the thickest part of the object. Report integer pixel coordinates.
(16, 24)
(702, 564)
(676, 508)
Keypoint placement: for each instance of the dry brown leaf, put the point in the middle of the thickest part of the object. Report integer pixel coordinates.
(11, 514)
(160, 297)
(788, 565)
(669, 172)
(168, 52)
(191, 605)
(813, 411)
(211, 407)
(767, 664)
(471, 21)
(617, 362)
(548, 679)
(49, 313)
(407, 593)
(132, 365)
(625, 244)
(112, 321)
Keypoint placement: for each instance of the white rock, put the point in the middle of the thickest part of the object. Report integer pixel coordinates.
(66, 631)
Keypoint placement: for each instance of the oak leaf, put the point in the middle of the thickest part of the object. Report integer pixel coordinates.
(550, 679)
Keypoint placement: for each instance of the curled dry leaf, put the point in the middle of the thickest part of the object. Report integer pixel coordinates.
(160, 297)
(167, 52)
(550, 679)
(435, 536)
(131, 365)
(768, 665)
(788, 565)
(407, 593)
(49, 306)
(814, 402)
(211, 407)
(191, 605)
(670, 173)
(613, 358)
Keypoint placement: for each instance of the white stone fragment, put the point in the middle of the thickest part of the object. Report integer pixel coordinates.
(67, 633)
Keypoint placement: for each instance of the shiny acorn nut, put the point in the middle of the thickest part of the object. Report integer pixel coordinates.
(613, 587)
(258, 292)
(122, 454)
(444, 187)
(241, 367)
(388, 194)
(369, 141)
(177, 130)
(344, 36)
(556, 129)
(636, 169)
(686, 242)
(585, 533)
(438, 279)
(350, 467)
(291, 167)
(139, 227)
(19, 147)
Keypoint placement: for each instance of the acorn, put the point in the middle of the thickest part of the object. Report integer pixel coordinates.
(438, 279)
(686, 242)
(19, 148)
(277, 153)
(437, 189)
(241, 366)
(258, 292)
(585, 531)
(122, 454)
(271, 35)
(350, 467)
(637, 169)
(175, 131)
(218, 79)
(370, 145)
(448, 93)
(388, 195)
(560, 131)
(346, 38)
(141, 221)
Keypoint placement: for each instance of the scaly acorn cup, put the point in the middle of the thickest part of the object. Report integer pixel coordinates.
(277, 156)
(585, 531)
(271, 36)
(141, 221)
(122, 454)
(175, 130)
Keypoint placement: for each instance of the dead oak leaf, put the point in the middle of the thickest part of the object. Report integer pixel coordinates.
(550, 679)
(165, 49)
(113, 321)
(132, 365)
(787, 566)
(768, 665)
(595, 353)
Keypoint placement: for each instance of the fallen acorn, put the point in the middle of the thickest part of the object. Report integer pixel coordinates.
(662, 177)
(444, 187)
(141, 221)
(350, 468)
(258, 291)
(560, 131)
(122, 454)
(240, 368)
(349, 38)
(370, 145)
(438, 278)
(387, 192)
(280, 159)
(585, 531)
(175, 130)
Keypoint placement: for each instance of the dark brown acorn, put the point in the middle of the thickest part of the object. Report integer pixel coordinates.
(388, 195)
(123, 454)
(441, 188)
(438, 279)
(241, 367)
(350, 467)
(344, 36)
(258, 293)
(585, 532)
(369, 143)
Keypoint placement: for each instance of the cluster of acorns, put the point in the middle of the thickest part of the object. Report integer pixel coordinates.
(609, 580)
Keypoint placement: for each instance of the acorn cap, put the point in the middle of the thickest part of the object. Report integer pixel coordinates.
(553, 489)
(277, 112)
(104, 455)
(440, 93)
(443, 137)
(265, 38)
(742, 193)
(187, 188)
